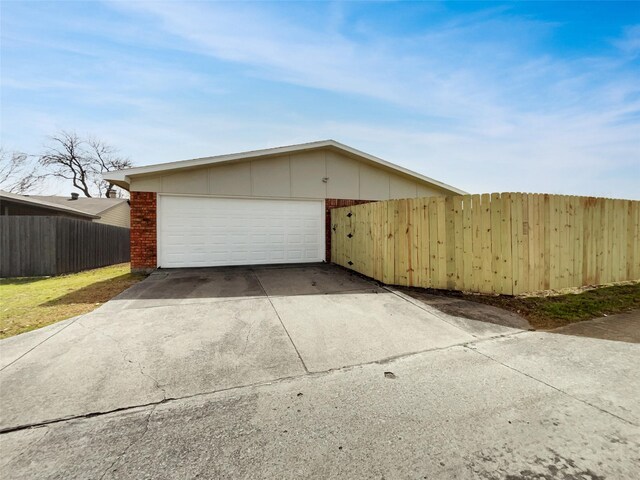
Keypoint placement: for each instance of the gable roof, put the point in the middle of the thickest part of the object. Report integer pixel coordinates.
(94, 206)
(122, 178)
(36, 202)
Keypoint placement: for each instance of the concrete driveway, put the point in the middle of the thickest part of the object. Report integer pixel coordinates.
(186, 332)
(308, 371)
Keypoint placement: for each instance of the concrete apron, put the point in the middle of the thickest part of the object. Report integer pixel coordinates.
(189, 332)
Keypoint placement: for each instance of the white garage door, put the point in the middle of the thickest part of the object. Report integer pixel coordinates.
(203, 232)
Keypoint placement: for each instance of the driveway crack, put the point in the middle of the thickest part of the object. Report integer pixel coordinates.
(120, 456)
(275, 381)
(246, 340)
(31, 444)
(125, 356)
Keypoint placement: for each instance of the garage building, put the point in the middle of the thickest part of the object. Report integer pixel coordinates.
(261, 207)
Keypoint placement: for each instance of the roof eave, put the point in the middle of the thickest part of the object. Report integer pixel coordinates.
(56, 208)
(122, 178)
(124, 200)
(123, 183)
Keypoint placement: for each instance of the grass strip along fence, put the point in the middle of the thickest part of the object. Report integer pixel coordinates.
(505, 243)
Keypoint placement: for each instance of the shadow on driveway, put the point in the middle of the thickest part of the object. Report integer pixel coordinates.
(258, 281)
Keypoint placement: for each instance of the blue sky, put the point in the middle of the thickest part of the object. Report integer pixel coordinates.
(538, 96)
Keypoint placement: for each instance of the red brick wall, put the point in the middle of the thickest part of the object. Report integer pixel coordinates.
(144, 248)
(330, 203)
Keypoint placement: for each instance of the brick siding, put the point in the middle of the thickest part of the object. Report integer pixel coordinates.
(144, 248)
(330, 203)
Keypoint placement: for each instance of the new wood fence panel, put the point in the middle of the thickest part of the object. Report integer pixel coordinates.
(553, 217)
(476, 228)
(507, 249)
(507, 243)
(526, 247)
(441, 228)
(402, 221)
(633, 257)
(569, 241)
(629, 239)
(467, 247)
(486, 285)
(416, 248)
(621, 265)
(607, 227)
(577, 239)
(450, 243)
(585, 205)
(497, 259)
(458, 222)
(354, 237)
(378, 234)
(534, 243)
(517, 253)
(389, 241)
(42, 246)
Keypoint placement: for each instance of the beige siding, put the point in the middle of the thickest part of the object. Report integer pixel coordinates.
(427, 191)
(271, 177)
(402, 188)
(307, 172)
(374, 183)
(298, 175)
(231, 179)
(118, 216)
(191, 182)
(344, 177)
(147, 184)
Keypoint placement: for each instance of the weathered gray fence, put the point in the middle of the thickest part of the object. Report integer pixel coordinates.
(38, 246)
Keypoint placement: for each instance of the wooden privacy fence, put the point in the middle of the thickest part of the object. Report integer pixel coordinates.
(37, 246)
(507, 243)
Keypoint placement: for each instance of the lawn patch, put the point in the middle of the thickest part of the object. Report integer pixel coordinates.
(30, 303)
(545, 313)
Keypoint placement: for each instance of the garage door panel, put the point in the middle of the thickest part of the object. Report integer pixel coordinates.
(201, 231)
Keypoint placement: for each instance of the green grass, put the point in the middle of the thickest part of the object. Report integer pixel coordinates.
(546, 313)
(30, 303)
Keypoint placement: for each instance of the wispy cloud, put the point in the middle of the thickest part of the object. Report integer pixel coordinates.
(630, 41)
(503, 110)
(477, 99)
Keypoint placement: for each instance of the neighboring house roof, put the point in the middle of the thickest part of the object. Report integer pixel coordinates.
(94, 206)
(37, 202)
(122, 178)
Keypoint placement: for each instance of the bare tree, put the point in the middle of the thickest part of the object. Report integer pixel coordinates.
(82, 161)
(19, 173)
(106, 159)
(66, 159)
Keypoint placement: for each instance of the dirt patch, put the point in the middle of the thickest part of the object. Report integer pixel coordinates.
(542, 313)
